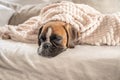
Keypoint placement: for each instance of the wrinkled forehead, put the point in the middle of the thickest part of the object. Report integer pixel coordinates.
(54, 27)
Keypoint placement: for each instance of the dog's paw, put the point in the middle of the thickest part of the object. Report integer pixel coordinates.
(5, 36)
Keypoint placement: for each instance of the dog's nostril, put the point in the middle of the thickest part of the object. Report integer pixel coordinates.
(46, 45)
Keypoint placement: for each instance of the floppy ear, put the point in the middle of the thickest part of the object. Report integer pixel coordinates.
(71, 35)
(40, 30)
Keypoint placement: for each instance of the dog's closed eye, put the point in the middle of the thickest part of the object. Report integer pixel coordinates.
(56, 39)
(42, 39)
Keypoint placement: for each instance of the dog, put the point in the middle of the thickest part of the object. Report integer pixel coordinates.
(55, 37)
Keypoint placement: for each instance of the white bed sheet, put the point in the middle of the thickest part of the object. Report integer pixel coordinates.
(83, 51)
(19, 61)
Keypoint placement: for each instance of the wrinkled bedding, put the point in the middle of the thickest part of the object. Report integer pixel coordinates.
(19, 61)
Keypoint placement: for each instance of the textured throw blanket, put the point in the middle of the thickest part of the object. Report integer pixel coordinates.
(95, 28)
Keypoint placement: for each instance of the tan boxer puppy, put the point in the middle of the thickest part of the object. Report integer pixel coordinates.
(54, 37)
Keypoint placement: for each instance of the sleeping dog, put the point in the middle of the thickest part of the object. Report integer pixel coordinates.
(55, 37)
(66, 24)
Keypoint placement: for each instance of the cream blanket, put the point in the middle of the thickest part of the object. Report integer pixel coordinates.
(95, 28)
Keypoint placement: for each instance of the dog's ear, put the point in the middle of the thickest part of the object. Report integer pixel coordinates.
(39, 33)
(72, 35)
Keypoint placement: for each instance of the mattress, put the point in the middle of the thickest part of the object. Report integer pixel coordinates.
(20, 61)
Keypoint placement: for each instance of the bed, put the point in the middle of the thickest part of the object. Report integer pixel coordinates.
(20, 61)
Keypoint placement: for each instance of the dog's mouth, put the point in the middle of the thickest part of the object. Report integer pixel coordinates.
(50, 52)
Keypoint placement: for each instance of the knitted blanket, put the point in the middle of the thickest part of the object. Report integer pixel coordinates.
(95, 28)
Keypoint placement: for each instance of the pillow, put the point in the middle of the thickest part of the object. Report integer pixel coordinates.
(5, 14)
(25, 13)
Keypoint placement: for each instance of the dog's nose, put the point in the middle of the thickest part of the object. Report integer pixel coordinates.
(46, 45)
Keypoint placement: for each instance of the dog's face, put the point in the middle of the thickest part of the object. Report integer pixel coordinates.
(54, 37)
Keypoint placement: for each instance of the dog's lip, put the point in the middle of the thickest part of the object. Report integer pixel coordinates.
(50, 56)
(46, 56)
(38, 50)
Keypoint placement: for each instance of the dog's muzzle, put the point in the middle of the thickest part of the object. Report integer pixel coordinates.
(48, 50)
